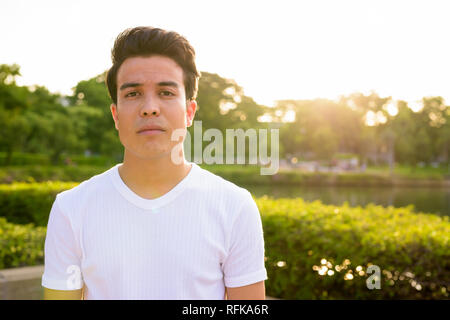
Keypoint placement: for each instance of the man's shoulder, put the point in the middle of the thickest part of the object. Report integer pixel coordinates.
(91, 187)
(213, 182)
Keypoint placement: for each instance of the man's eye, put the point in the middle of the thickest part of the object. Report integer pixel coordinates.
(132, 94)
(166, 93)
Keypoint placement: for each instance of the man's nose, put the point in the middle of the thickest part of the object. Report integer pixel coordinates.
(150, 107)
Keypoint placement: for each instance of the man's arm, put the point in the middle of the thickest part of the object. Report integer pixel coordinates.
(50, 294)
(255, 291)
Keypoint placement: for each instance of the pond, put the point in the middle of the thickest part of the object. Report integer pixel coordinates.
(429, 200)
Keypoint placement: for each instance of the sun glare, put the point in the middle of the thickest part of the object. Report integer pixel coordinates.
(415, 106)
(391, 108)
(312, 50)
(289, 116)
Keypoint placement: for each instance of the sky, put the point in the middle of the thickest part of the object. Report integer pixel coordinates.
(274, 49)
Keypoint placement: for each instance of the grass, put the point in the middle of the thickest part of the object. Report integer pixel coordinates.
(410, 172)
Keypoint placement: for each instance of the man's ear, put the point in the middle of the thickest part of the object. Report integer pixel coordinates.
(113, 109)
(191, 107)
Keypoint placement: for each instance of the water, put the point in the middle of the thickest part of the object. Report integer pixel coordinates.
(429, 200)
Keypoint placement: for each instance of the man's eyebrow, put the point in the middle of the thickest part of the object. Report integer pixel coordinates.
(168, 84)
(160, 84)
(130, 85)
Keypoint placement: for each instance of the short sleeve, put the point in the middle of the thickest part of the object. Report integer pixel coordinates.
(244, 263)
(62, 265)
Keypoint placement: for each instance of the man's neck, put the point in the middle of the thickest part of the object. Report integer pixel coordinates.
(152, 178)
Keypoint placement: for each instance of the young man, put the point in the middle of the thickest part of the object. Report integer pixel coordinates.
(152, 227)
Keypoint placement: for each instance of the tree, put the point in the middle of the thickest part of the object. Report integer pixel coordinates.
(90, 104)
(324, 143)
(61, 136)
(13, 130)
(12, 97)
(384, 137)
(216, 97)
(222, 104)
(434, 116)
(13, 103)
(405, 127)
(92, 92)
(443, 139)
(314, 120)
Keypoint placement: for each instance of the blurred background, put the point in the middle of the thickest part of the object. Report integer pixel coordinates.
(359, 91)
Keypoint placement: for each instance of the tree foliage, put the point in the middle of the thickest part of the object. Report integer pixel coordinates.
(37, 121)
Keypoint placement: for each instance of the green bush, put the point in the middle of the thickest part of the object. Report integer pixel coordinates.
(21, 245)
(305, 241)
(410, 172)
(33, 173)
(313, 251)
(21, 158)
(99, 161)
(30, 202)
(239, 174)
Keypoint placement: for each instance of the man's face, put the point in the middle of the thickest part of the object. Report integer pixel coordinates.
(150, 91)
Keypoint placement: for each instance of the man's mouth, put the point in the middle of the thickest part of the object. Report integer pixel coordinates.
(150, 132)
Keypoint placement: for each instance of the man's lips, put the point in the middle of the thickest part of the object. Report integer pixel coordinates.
(150, 129)
(150, 132)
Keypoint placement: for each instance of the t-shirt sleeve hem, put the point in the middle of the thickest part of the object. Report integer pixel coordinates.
(246, 279)
(59, 284)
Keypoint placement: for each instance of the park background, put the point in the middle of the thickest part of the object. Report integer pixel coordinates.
(359, 91)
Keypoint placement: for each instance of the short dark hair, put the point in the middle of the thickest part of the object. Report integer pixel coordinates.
(148, 41)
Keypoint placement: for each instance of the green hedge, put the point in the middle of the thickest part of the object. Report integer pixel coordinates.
(30, 202)
(32, 173)
(99, 161)
(238, 174)
(304, 241)
(21, 245)
(21, 158)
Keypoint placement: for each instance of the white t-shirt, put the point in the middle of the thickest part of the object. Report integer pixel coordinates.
(204, 234)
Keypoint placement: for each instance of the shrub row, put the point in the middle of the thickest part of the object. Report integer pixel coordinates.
(316, 251)
(30, 202)
(242, 175)
(34, 173)
(21, 245)
(20, 159)
(313, 251)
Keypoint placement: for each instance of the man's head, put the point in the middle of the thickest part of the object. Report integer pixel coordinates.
(148, 41)
(153, 84)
